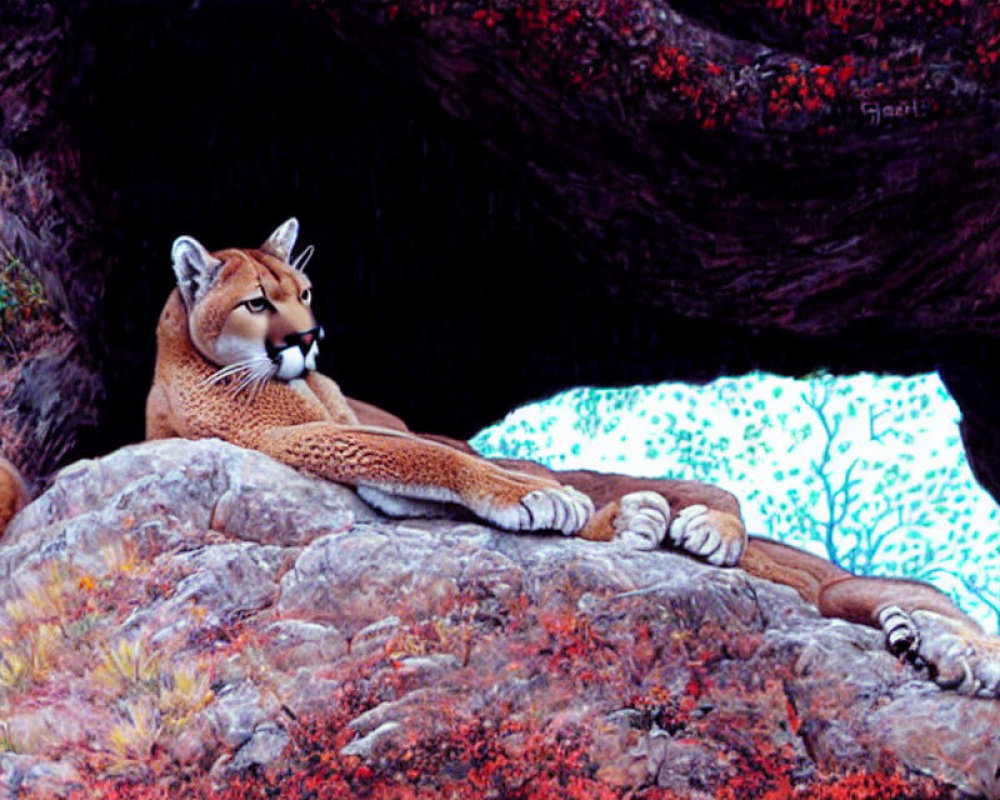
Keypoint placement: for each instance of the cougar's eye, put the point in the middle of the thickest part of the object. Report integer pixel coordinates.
(256, 305)
(306, 296)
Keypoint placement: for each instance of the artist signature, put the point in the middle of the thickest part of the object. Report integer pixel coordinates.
(876, 112)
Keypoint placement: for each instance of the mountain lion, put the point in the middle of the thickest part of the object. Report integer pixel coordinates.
(236, 359)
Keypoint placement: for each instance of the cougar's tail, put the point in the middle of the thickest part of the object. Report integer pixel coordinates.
(13, 493)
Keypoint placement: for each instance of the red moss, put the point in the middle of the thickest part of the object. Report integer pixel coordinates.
(620, 47)
(508, 760)
(488, 16)
(859, 16)
(876, 786)
(482, 763)
(806, 92)
(690, 685)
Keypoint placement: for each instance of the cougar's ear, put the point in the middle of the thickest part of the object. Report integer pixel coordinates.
(280, 243)
(195, 267)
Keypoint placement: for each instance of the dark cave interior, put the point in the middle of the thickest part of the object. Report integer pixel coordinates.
(449, 293)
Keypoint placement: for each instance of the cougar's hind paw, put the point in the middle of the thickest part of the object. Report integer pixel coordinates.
(641, 521)
(901, 633)
(960, 658)
(716, 536)
(558, 508)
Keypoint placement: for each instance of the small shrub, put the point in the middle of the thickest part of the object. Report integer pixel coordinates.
(23, 304)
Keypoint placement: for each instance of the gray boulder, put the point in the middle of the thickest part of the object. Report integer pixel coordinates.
(193, 608)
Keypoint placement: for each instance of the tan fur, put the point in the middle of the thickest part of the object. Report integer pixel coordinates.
(13, 493)
(838, 593)
(306, 422)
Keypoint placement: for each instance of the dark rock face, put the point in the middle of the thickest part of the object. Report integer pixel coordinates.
(811, 181)
(49, 387)
(179, 613)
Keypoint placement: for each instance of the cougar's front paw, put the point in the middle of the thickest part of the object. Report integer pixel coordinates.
(641, 521)
(557, 508)
(716, 536)
(959, 657)
(546, 508)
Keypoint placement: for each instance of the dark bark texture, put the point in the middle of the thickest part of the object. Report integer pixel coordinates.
(509, 198)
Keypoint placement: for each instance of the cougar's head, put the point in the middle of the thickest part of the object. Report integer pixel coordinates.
(249, 310)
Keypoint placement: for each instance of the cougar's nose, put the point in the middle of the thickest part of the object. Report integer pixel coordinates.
(304, 339)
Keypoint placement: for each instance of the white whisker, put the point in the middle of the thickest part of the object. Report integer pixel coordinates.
(261, 379)
(224, 372)
(258, 387)
(251, 373)
(248, 380)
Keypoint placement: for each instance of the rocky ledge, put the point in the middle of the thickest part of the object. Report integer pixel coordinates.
(192, 619)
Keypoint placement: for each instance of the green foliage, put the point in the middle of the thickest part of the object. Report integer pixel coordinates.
(21, 295)
(868, 471)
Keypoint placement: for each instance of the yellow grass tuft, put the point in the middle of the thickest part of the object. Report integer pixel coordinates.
(127, 664)
(183, 691)
(29, 659)
(131, 740)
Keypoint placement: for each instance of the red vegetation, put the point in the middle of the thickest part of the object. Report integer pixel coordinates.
(861, 16)
(654, 672)
(482, 764)
(623, 46)
(486, 760)
(807, 91)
